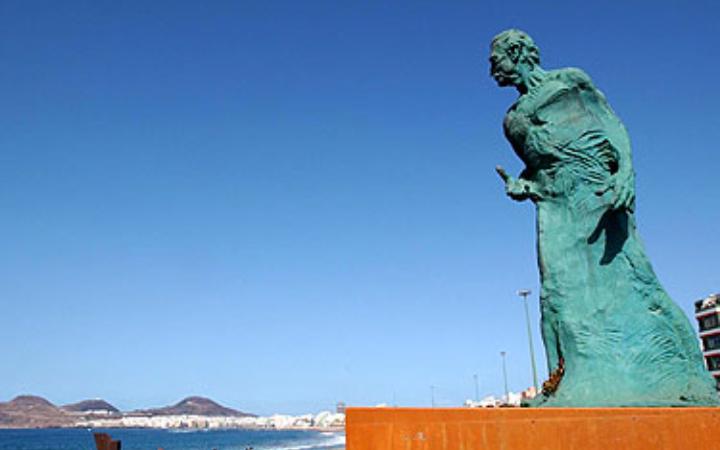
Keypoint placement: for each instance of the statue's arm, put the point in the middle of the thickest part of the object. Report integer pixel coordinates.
(622, 182)
(575, 95)
(622, 175)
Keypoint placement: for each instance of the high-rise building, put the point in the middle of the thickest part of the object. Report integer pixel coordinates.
(707, 313)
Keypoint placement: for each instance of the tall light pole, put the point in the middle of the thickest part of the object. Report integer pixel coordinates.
(507, 393)
(477, 388)
(524, 294)
(432, 395)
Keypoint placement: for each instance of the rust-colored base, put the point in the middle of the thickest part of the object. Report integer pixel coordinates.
(532, 429)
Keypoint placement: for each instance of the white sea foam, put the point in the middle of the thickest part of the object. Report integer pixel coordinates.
(188, 430)
(333, 440)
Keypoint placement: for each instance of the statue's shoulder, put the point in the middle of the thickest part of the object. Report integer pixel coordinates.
(561, 86)
(572, 77)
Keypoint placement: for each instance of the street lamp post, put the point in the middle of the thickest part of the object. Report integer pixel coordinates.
(477, 388)
(524, 294)
(432, 395)
(507, 393)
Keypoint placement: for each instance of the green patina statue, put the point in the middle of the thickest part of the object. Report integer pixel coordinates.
(612, 335)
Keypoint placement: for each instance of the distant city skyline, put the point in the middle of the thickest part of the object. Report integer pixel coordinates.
(283, 205)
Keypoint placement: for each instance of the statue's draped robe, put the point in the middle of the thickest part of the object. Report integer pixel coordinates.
(622, 339)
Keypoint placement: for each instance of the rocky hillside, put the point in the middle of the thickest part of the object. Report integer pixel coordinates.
(29, 411)
(199, 406)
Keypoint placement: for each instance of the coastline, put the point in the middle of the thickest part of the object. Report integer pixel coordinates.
(33, 412)
(322, 422)
(254, 428)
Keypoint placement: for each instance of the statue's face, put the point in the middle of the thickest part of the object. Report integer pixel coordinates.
(502, 67)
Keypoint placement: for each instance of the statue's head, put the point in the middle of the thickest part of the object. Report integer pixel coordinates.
(513, 53)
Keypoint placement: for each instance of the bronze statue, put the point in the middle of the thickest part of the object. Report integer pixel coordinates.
(610, 330)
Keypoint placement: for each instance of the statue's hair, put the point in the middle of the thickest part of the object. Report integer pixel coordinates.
(516, 38)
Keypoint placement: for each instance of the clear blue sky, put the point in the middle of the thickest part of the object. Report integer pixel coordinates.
(285, 204)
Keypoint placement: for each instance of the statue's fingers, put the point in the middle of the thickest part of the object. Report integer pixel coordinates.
(500, 171)
(623, 200)
(629, 200)
(618, 201)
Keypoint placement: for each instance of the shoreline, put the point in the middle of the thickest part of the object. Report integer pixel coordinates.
(338, 429)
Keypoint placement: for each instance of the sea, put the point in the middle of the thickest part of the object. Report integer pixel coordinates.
(177, 439)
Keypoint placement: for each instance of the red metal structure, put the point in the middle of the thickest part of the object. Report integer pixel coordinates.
(532, 428)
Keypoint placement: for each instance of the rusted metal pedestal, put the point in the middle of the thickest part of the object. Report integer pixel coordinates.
(532, 429)
(103, 441)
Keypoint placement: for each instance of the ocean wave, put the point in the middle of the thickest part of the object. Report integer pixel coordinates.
(188, 430)
(335, 440)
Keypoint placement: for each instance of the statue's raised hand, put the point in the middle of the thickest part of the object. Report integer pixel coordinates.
(517, 188)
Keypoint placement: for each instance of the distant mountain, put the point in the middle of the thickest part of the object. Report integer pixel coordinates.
(199, 406)
(96, 406)
(29, 411)
(30, 402)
